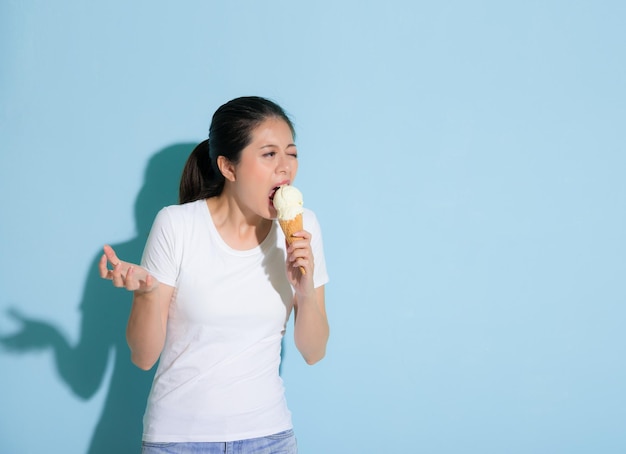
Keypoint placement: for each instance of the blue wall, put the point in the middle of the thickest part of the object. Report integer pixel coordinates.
(466, 160)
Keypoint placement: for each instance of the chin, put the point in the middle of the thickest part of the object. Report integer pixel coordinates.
(271, 213)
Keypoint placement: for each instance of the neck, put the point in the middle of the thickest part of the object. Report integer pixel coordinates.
(240, 230)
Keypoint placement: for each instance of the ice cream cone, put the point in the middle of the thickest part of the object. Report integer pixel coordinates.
(289, 227)
(287, 201)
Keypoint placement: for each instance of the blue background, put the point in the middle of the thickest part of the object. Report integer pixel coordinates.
(466, 161)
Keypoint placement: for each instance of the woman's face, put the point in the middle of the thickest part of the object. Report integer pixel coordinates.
(269, 161)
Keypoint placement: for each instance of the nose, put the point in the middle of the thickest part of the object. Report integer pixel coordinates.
(283, 165)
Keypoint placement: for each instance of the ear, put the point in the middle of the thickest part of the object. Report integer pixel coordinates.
(226, 167)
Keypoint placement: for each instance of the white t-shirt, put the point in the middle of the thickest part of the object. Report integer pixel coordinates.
(217, 378)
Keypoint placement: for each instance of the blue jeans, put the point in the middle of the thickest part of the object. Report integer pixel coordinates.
(280, 443)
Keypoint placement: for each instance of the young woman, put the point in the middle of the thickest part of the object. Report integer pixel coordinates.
(215, 289)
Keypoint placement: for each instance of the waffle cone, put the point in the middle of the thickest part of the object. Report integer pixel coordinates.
(289, 227)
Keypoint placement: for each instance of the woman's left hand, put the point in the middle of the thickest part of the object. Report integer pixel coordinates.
(300, 266)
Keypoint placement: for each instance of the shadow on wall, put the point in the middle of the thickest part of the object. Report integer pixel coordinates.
(105, 312)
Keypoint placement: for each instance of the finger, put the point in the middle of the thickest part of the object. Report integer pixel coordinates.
(295, 267)
(302, 264)
(102, 266)
(130, 282)
(139, 280)
(300, 258)
(147, 284)
(302, 234)
(111, 255)
(149, 281)
(300, 250)
(117, 277)
(142, 281)
(300, 240)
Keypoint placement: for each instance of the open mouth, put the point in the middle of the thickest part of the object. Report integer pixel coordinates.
(276, 188)
(273, 193)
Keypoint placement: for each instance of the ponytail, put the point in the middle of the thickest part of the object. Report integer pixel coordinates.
(200, 179)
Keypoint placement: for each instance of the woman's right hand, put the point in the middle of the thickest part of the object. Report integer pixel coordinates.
(125, 275)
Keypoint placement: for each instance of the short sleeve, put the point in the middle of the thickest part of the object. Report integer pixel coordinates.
(159, 255)
(312, 225)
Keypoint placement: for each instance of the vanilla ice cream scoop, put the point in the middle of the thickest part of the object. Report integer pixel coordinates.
(288, 202)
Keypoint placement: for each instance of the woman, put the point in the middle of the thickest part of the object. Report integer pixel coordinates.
(216, 287)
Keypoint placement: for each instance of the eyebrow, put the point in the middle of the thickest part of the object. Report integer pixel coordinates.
(271, 145)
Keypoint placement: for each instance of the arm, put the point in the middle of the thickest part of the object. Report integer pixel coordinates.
(145, 332)
(311, 329)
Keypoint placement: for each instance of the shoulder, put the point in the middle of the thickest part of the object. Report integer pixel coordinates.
(183, 211)
(178, 216)
(309, 214)
(310, 221)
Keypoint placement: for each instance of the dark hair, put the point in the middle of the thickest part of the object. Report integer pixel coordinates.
(230, 132)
